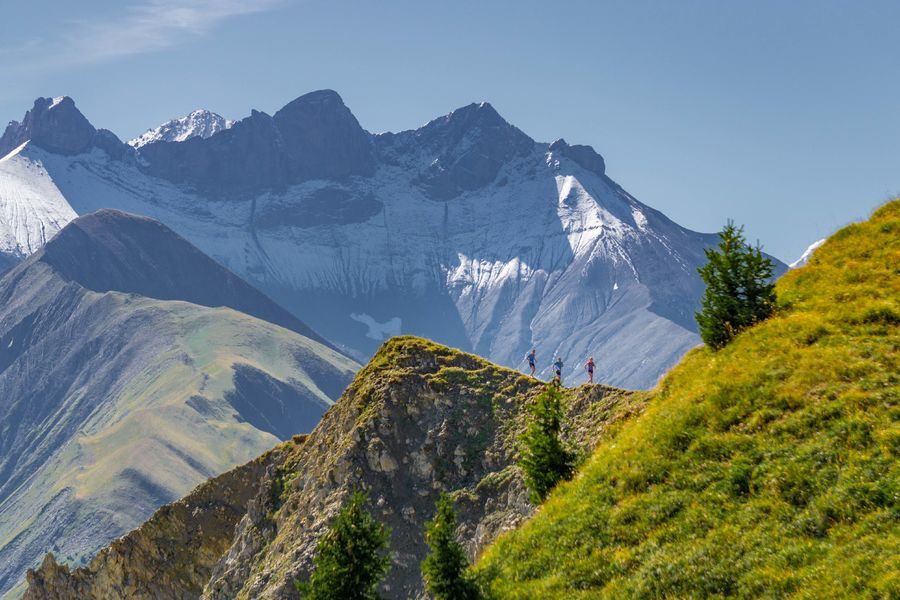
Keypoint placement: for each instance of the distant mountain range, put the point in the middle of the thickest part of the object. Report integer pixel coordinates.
(132, 368)
(465, 230)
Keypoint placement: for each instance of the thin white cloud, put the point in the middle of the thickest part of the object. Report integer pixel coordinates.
(151, 26)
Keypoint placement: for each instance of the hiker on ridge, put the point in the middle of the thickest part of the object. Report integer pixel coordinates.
(590, 369)
(558, 365)
(531, 360)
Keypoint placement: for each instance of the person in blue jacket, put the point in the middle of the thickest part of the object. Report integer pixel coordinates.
(531, 360)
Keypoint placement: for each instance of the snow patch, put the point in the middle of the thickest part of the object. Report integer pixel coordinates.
(639, 219)
(32, 208)
(377, 330)
(807, 254)
(200, 123)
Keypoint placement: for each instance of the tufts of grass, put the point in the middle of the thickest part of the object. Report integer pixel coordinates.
(767, 469)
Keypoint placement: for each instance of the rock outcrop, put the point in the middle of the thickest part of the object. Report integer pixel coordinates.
(55, 124)
(169, 556)
(419, 420)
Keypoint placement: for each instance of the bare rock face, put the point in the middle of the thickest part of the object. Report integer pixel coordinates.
(470, 146)
(585, 156)
(169, 556)
(314, 137)
(55, 124)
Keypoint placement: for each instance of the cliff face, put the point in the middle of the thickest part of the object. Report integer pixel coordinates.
(418, 420)
(169, 556)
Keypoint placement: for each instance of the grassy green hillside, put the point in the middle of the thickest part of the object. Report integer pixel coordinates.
(166, 425)
(768, 469)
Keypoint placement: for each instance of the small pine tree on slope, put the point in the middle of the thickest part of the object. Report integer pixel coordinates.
(350, 558)
(444, 569)
(545, 460)
(739, 288)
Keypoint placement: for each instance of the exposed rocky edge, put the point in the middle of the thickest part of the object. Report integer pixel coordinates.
(314, 137)
(420, 419)
(55, 124)
(469, 146)
(585, 156)
(169, 556)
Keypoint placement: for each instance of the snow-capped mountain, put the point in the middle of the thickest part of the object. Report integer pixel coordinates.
(465, 230)
(200, 123)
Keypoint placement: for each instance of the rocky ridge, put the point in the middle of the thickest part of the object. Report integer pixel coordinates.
(418, 420)
(174, 550)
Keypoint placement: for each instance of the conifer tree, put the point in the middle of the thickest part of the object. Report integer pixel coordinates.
(739, 291)
(444, 569)
(350, 559)
(544, 458)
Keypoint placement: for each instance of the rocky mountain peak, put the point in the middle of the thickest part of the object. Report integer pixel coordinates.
(313, 137)
(111, 250)
(322, 137)
(54, 124)
(323, 100)
(468, 147)
(478, 119)
(200, 123)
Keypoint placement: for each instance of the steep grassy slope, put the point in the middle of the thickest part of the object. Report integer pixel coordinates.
(768, 469)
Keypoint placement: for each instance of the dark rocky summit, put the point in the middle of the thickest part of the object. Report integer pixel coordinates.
(55, 124)
(584, 156)
(314, 137)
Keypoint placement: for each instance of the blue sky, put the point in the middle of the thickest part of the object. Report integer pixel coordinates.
(784, 116)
